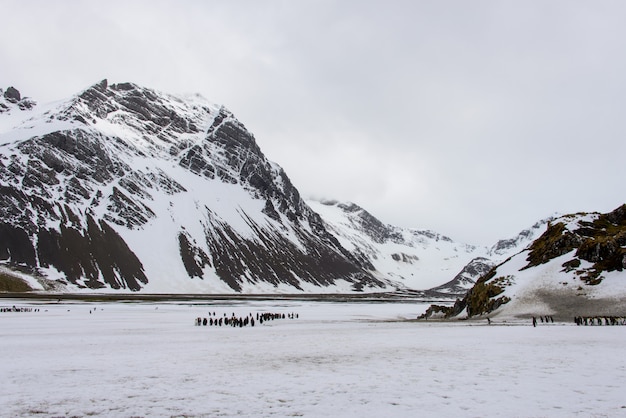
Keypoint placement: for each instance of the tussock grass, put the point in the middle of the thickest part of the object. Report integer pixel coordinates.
(9, 283)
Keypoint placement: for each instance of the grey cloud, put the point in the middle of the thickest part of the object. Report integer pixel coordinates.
(471, 118)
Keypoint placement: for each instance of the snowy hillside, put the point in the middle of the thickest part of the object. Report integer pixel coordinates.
(575, 268)
(416, 258)
(496, 254)
(125, 188)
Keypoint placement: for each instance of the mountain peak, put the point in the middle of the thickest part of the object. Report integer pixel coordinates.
(522, 239)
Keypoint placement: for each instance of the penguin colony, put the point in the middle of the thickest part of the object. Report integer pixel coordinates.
(239, 321)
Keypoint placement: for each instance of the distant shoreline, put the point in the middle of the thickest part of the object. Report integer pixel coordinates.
(164, 297)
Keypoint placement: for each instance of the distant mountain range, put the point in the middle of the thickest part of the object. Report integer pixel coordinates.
(414, 258)
(124, 188)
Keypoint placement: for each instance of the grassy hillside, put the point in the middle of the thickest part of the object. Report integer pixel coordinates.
(9, 283)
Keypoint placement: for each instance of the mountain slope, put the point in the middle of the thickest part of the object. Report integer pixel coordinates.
(122, 187)
(412, 258)
(497, 253)
(466, 278)
(575, 268)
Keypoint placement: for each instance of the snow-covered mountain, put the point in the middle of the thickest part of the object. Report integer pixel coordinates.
(123, 187)
(413, 258)
(497, 253)
(575, 268)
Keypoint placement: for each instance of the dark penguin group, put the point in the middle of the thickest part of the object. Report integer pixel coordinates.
(600, 320)
(546, 318)
(18, 309)
(586, 320)
(239, 321)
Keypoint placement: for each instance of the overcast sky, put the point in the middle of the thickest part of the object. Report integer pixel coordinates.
(471, 118)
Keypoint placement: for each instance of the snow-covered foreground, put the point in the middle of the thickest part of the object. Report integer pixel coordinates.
(337, 359)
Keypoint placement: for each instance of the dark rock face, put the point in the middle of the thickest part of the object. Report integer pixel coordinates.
(81, 248)
(604, 244)
(278, 260)
(12, 95)
(194, 258)
(378, 231)
(91, 254)
(601, 242)
(466, 278)
(127, 212)
(555, 242)
(70, 196)
(444, 312)
(13, 99)
(15, 245)
(483, 298)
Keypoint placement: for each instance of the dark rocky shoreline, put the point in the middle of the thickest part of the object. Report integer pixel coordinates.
(162, 297)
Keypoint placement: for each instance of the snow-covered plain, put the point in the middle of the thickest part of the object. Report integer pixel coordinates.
(340, 359)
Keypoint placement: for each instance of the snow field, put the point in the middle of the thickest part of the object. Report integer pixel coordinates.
(342, 359)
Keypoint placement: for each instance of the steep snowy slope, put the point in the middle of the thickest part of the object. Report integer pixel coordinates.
(122, 187)
(417, 259)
